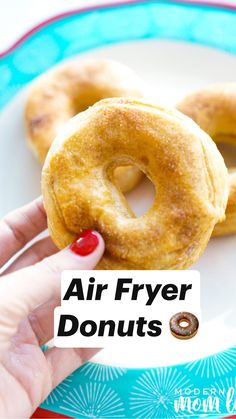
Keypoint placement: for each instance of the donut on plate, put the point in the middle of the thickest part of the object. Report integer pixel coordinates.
(70, 88)
(181, 160)
(214, 110)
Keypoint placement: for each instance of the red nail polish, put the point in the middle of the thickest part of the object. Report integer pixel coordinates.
(85, 244)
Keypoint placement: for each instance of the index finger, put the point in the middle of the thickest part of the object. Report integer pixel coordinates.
(21, 226)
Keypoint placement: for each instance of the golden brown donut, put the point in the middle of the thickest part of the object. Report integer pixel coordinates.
(70, 88)
(180, 159)
(214, 110)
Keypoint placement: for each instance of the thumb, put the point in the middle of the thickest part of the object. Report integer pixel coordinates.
(22, 291)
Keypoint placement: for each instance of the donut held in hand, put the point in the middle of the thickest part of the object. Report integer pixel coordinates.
(214, 110)
(70, 88)
(181, 160)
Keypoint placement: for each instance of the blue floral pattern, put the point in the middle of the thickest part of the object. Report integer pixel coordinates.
(152, 393)
(37, 55)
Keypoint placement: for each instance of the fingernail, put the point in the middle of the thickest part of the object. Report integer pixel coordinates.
(85, 244)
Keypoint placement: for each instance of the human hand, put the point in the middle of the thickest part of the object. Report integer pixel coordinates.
(29, 292)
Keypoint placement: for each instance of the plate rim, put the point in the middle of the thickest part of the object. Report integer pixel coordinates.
(218, 4)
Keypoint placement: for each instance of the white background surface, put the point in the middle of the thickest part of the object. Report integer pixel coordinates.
(29, 13)
(18, 16)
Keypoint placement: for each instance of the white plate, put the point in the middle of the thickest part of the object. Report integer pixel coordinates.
(172, 69)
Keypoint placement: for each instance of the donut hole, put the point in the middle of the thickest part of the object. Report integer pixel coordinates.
(228, 152)
(136, 189)
(141, 198)
(184, 323)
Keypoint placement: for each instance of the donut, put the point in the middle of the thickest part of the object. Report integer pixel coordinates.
(181, 160)
(70, 88)
(214, 110)
(184, 332)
